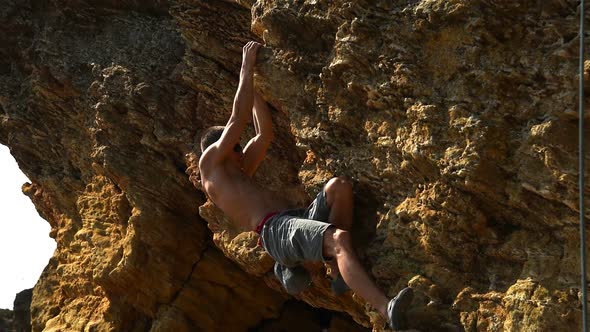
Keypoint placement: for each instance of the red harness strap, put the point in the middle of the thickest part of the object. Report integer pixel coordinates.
(261, 225)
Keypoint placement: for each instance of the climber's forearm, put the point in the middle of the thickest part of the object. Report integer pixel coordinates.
(243, 100)
(262, 118)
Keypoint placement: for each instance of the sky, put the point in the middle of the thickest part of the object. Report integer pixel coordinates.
(25, 245)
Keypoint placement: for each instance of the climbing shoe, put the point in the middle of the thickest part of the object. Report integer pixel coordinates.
(396, 308)
(339, 287)
(294, 279)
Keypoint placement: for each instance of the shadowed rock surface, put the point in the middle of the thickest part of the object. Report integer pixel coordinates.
(22, 311)
(6, 320)
(19, 319)
(454, 119)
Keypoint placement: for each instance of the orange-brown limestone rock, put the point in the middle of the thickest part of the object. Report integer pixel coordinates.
(454, 119)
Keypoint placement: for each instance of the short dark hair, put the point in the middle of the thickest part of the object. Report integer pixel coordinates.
(210, 136)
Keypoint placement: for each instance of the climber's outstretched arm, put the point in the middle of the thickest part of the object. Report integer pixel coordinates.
(243, 102)
(255, 150)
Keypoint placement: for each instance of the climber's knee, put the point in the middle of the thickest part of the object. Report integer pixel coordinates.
(338, 187)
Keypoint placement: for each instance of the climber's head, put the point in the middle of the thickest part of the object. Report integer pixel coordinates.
(210, 136)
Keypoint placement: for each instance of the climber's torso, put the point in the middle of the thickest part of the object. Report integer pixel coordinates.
(236, 194)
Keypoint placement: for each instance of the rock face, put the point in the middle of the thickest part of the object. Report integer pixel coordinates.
(22, 311)
(454, 119)
(6, 320)
(19, 319)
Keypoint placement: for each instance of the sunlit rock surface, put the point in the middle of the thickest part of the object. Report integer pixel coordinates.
(456, 121)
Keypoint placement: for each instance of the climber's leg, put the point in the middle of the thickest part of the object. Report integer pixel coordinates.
(337, 244)
(339, 199)
(340, 202)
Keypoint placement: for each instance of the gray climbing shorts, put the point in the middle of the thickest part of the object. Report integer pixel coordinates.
(295, 236)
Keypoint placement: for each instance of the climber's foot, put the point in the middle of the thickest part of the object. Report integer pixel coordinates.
(339, 287)
(396, 308)
(294, 279)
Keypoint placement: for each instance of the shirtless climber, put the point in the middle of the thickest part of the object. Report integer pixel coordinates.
(319, 233)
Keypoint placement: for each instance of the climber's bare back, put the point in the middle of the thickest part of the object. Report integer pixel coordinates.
(244, 202)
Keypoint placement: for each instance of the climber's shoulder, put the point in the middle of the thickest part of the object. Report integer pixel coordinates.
(209, 159)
